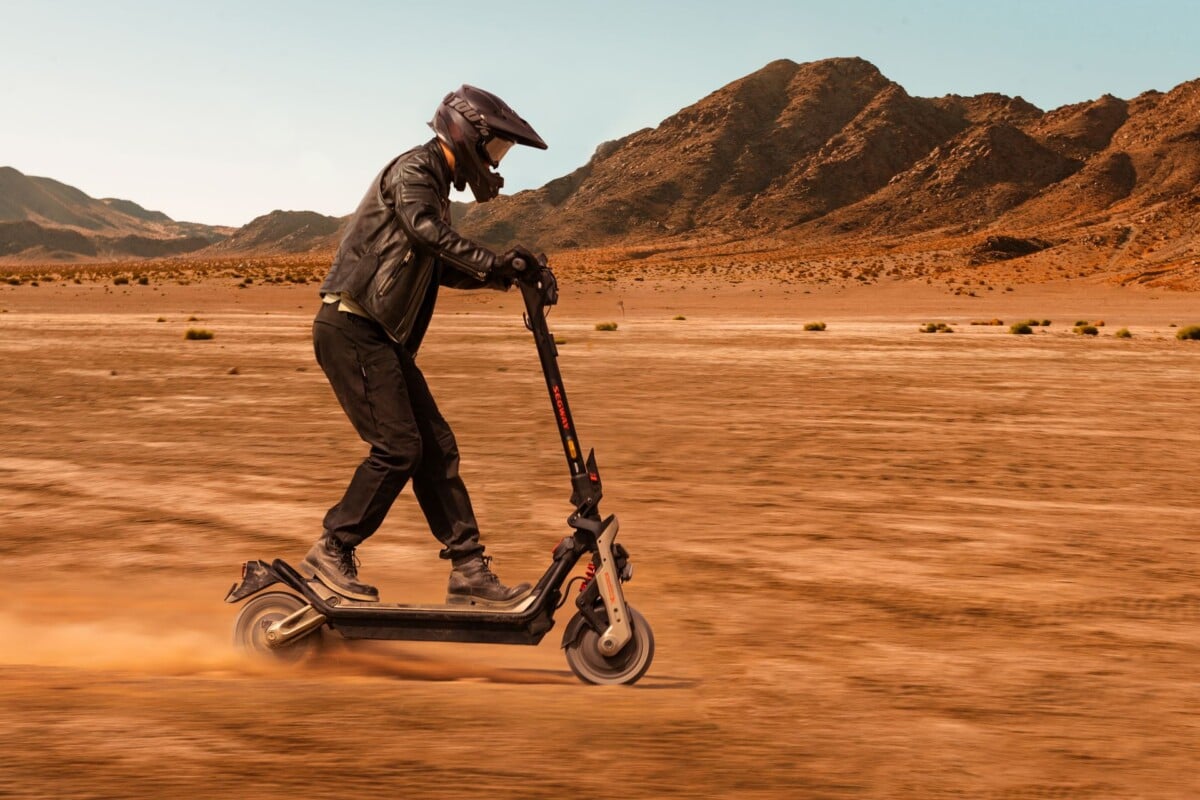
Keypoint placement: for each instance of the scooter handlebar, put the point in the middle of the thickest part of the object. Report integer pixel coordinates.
(527, 271)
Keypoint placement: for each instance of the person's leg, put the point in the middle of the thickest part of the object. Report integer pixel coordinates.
(438, 487)
(443, 498)
(368, 380)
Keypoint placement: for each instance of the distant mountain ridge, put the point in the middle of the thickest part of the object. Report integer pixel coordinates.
(829, 152)
(833, 148)
(282, 232)
(44, 219)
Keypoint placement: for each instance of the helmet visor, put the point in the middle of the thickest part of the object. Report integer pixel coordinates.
(496, 147)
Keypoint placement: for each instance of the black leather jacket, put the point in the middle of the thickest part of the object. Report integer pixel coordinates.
(399, 247)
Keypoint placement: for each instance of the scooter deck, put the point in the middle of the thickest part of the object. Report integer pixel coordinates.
(525, 623)
(332, 597)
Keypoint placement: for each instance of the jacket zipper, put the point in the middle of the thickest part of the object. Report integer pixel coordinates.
(387, 286)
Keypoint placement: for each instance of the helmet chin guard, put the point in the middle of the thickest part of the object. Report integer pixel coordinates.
(479, 127)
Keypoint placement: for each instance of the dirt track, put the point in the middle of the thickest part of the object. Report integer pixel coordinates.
(878, 563)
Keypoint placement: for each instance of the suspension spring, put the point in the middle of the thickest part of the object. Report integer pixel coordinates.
(587, 578)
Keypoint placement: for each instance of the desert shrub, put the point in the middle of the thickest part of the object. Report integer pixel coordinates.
(143, 281)
(1045, 323)
(1079, 323)
(1020, 328)
(198, 333)
(1123, 334)
(120, 280)
(559, 339)
(996, 322)
(1190, 332)
(679, 316)
(606, 326)
(161, 319)
(14, 281)
(814, 326)
(1087, 330)
(935, 327)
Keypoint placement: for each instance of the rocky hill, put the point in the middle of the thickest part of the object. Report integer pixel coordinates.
(834, 151)
(829, 157)
(282, 232)
(43, 219)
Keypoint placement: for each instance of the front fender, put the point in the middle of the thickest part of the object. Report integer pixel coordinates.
(574, 630)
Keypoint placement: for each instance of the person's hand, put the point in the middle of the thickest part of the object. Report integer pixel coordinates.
(514, 262)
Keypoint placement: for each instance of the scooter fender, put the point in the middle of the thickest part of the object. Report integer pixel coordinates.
(256, 576)
(574, 630)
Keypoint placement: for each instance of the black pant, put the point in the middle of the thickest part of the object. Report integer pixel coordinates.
(387, 400)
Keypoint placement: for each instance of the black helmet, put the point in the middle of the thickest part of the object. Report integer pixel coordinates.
(479, 127)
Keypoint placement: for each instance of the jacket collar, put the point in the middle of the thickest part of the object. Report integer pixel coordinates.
(438, 158)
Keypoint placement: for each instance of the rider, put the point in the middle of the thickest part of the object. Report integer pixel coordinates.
(378, 297)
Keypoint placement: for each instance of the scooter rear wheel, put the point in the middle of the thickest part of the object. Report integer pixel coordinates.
(626, 666)
(259, 614)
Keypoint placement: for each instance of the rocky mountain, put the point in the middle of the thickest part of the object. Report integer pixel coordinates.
(833, 149)
(282, 232)
(828, 154)
(43, 219)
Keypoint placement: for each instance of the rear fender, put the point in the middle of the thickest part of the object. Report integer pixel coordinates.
(256, 576)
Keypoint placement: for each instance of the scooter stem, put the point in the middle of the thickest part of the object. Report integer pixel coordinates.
(539, 289)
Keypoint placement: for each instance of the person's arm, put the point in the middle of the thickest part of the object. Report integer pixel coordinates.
(456, 279)
(417, 204)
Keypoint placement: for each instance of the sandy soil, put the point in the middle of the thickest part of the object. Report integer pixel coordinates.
(878, 563)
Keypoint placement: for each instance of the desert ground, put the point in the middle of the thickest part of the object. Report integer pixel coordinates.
(878, 563)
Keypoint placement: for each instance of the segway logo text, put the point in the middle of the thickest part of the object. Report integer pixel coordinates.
(561, 407)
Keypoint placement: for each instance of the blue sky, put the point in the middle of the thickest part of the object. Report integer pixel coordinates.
(219, 111)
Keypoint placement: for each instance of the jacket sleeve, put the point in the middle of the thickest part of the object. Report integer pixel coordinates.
(461, 280)
(417, 204)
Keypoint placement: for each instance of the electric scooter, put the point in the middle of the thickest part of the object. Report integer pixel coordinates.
(606, 642)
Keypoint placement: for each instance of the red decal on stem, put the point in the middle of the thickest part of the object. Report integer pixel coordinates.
(561, 407)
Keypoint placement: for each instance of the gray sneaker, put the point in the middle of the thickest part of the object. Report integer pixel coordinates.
(472, 582)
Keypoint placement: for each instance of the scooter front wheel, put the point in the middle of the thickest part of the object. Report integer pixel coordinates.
(626, 666)
(259, 614)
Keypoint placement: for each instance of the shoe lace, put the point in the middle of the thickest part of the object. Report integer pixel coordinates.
(485, 571)
(350, 562)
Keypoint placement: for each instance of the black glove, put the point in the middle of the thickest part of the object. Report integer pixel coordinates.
(516, 261)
